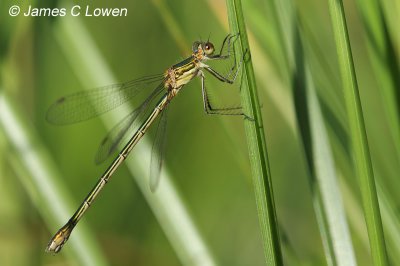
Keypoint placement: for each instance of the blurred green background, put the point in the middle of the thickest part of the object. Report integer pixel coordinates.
(207, 157)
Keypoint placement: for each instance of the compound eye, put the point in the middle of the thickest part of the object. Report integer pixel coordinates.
(209, 48)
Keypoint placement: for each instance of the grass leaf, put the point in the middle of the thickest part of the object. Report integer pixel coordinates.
(43, 183)
(358, 135)
(256, 142)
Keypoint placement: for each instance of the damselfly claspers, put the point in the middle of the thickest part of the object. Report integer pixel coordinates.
(84, 105)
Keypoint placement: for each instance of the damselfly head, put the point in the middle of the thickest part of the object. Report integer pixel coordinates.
(203, 48)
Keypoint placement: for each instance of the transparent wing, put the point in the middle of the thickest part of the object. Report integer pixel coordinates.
(120, 131)
(158, 150)
(84, 105)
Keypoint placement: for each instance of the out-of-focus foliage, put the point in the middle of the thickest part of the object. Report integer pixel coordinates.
(206, 155)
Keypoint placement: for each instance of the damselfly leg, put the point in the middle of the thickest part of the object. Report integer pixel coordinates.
(230, 78)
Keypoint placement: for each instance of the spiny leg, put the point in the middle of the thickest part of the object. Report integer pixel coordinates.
(207, 105)
(209, 109)
(227, 41)
(221, 77)
(223, 111)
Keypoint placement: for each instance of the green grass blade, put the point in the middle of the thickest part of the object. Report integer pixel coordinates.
(256, 143)
(354, 211)
(327, 192)
(168, 207)
(336, 122)
(43, 182)
(333, 113)
(327, 199)
(358, 135)
(386, 67)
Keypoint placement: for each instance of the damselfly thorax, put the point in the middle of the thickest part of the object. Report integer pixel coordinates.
(182, 73)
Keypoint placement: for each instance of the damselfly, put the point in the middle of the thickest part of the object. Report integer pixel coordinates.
(85, 105)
